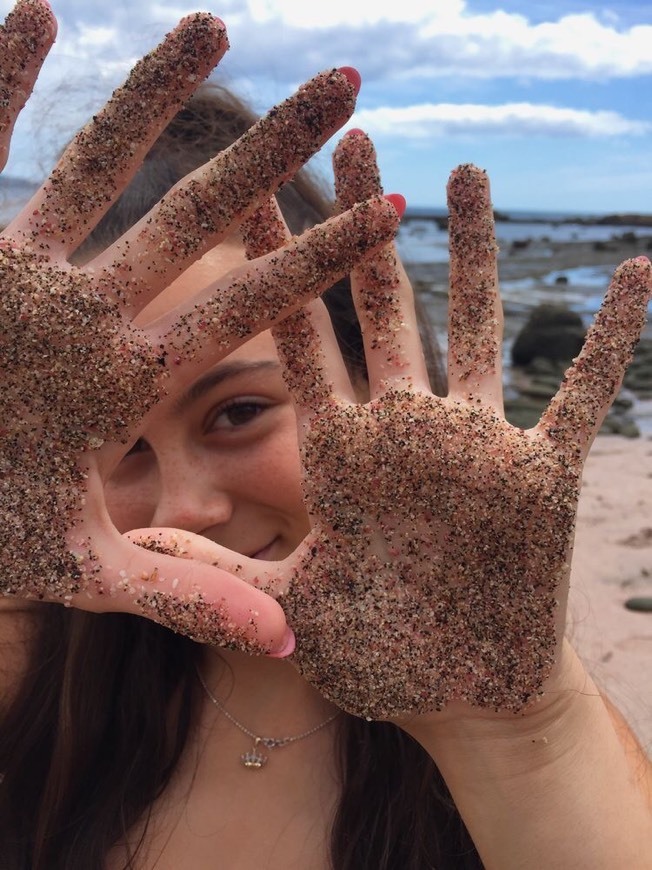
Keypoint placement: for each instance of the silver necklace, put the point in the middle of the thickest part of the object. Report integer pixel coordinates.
(255, 759)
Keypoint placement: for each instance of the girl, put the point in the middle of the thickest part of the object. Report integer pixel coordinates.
(127, 745)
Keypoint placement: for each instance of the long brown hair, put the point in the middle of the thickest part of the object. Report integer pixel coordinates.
(106, 702)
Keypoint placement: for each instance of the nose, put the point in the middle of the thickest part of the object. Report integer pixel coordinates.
(192, 496)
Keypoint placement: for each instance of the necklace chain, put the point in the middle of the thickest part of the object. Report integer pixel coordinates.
(254, 759)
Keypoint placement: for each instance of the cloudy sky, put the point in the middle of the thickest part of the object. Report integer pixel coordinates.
(553, 98)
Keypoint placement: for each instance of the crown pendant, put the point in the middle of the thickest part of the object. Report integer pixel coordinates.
(254, 759)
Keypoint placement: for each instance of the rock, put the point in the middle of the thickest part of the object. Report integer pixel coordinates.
(543, 389)
(638, 377)
(540, 365)
(523, 413)
(642, 604)
(622, 403)
(629, 218)
(541, 377)
(553, 332)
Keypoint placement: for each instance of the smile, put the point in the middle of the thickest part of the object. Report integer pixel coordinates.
(265, 552)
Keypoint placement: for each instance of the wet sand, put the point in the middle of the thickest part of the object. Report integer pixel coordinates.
(612, 563)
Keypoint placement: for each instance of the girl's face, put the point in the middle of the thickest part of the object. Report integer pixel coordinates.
(222, 460)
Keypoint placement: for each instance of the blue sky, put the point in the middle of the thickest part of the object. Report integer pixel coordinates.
(553, 98)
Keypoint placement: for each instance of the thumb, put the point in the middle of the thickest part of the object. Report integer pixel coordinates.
(171, 577)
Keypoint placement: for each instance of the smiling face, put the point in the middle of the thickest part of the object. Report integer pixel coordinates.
(222, 460)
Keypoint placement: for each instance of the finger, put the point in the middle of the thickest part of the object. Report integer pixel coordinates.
(304, 335)
(161, 580)
(26, 38)
(475, 319)
(265, 230)
(199, 211)
(106, 153)
(575, 414)
(255, 296)
(257, 573)
(313, 368)
(381, 289)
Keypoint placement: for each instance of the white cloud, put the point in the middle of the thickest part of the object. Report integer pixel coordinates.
(435, 39)
(444, 38)
(352, 13)
(510, 119)
(502, 44)
(495, 57)
(96, 37)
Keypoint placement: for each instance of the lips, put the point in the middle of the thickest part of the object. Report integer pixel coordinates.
(265, 553)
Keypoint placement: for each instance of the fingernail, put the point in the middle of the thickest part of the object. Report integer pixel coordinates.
(353, 76)
(289, 644)
(398, 201)
(356, 131)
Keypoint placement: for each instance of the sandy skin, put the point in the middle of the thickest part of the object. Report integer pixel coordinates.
(79, 377)
(438, 564)
(440, 532)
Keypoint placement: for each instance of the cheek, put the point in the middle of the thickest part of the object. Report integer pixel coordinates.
(130, 505)
(274, 472)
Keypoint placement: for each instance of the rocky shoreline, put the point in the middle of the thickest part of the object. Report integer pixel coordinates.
(530, 384)
(538, 258)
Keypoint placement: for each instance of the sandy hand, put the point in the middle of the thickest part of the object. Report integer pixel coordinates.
(78, 377)
(437, 567)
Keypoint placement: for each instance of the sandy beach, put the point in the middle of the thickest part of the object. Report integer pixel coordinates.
(612, 563)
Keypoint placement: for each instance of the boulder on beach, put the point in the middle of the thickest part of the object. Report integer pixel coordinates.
(551, 332)
(544, 348)
(638, 377)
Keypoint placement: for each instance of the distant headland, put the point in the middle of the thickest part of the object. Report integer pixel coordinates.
(440, 217)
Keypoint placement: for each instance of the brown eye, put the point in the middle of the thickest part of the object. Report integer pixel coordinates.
(235, 414)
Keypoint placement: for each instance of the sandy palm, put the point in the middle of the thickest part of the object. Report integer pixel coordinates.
(437, 566)
(78, 377)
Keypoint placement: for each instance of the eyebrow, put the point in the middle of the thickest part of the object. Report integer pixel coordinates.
(218, 375)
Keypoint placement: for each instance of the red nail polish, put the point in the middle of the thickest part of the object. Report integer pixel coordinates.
(398, 201)
(356, 131)
(353, 76)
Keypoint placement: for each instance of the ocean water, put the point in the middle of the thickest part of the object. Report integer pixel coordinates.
(423, 246)
(422, 243)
